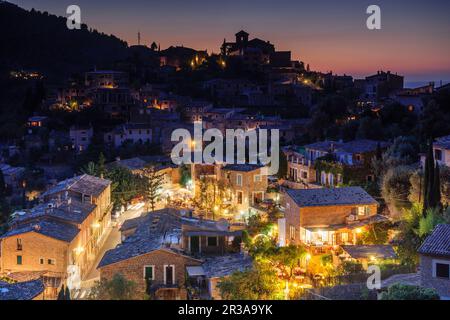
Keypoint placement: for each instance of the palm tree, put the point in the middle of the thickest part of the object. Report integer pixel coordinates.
(90, 169)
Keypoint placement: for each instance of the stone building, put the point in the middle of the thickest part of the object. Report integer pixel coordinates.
(61, 237)
(248, 185)
(331, 163)
(441, 149)
(327, 217)
(151, 257)
(81, 137)
(435, 261)
(161, 164)
(160, 248)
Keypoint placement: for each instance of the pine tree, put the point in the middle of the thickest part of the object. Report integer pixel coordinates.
(101, 165)
(283, 169)
(437, 187)
(67, 294)
(154, 181)
(61, 294)
(379, 152)
(428, 183)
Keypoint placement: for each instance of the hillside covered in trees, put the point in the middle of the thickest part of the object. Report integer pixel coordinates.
(41, 41)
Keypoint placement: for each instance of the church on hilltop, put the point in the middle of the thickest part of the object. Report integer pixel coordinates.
(255, 52)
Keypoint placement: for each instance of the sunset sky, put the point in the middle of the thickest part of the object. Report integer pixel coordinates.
(327, 34)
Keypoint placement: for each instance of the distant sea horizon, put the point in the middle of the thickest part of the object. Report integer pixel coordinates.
(416, 84)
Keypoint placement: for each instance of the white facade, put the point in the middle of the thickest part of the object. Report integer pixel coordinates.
(81, 138)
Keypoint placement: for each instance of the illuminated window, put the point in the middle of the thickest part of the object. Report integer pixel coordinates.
(292, 232)
(239, 196)
(360, 211)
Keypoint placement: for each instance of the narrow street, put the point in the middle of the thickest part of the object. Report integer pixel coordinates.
(112, 240)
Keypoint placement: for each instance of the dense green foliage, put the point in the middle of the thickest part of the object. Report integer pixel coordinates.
(118, 288)
(260, 283)
(152, 185)
(407, 292)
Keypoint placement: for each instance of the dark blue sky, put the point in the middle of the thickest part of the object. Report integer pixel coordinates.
(327, 34)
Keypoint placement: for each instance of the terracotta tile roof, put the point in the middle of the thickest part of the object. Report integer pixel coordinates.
(69, 210)
(139, 163)
(443, 142)
(354, 146)
(84, 184)
(157, 230)
(242, 167)
(330, 196)
(438, 243)
(21, 290)
(325, 146)
(361, 146)
(222, 266)
(368, 251)
(360, 223)
(162, 229)
(23, 276)
(57, 230)
(412, 279)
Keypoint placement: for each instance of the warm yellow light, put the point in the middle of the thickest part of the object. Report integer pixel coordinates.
(358, 230)
(79, 250)
(225, 211)
(96, 225)
(308, 256)
(216, 208)
(372, 258)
